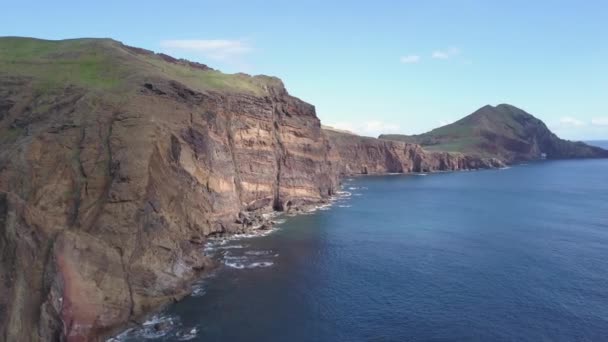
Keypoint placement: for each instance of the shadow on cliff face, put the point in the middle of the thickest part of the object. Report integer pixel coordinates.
(108, 198)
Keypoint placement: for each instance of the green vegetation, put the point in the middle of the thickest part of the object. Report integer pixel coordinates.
(203, 79)
(505, 132)
(107, 65)
(52, 64)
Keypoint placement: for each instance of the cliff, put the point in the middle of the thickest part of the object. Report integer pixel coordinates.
(365, 155)
(505, 132)
(116, 163)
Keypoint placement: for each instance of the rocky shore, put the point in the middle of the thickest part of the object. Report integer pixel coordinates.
(109, 187)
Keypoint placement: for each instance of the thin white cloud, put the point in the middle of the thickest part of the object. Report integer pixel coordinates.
(410, 59)
(368, 128)
(600, 121)
(218, 49)
(446, 54)
(571, 122)
(574, 129)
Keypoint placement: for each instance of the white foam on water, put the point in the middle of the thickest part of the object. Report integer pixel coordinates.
(258, 253)
(198, 291)
(232, 247)
(158, 319)
(149, 331)
(236, 265)
(229, 257)
(121, 337)
(257, 264)
(345, 206)
(255, 233)
(260, 264)
(187, 335)
(344, 194)
(421, 174)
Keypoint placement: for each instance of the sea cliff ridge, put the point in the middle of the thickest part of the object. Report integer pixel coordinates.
(117, 163)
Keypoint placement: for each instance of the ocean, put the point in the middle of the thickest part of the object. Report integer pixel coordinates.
(517, 254)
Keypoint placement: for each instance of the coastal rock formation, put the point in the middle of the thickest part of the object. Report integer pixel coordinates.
(505, 132)
(116, 164)
(365, 155)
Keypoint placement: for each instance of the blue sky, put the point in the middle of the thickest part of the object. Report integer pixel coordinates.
(381, 66)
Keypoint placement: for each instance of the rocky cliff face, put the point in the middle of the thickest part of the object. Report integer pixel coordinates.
(364, 155)
(117, 163)
(106, 198)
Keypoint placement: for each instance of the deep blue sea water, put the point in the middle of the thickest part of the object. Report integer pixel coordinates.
(519, 254)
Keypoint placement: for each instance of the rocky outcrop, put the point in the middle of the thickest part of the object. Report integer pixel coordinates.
(364, 155)
(117, 163)
(104, 204)
(504, 132)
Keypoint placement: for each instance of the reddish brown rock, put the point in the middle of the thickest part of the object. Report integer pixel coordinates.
(111, 178)
(105, 206)
(356, 154)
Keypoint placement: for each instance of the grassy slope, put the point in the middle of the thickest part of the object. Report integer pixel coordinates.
(504, 131)
(462, 135)
(107, 65)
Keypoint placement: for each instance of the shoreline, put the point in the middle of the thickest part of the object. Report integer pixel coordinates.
(187, 323)
(260, 223)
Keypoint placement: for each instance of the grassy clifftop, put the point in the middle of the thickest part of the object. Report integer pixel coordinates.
(108, 65)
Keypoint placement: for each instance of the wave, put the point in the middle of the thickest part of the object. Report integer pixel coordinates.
(325, 206)
(237, 265)
(230, 257)
(257, 264)
(233, 247)
(258, 253)
(198, 291)
(260, 264)
(188, 335)
(156, 327)
(211, 247)
(235, 237)
(343, 193)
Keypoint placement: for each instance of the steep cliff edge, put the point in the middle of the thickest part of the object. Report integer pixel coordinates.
(116, 163)
(365, 155)
(502, 131)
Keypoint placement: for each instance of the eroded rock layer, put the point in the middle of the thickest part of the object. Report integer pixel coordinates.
(116, 164)
(364, 155)
(104, 205)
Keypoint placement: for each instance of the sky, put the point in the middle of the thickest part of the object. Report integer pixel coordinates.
(373, 66)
